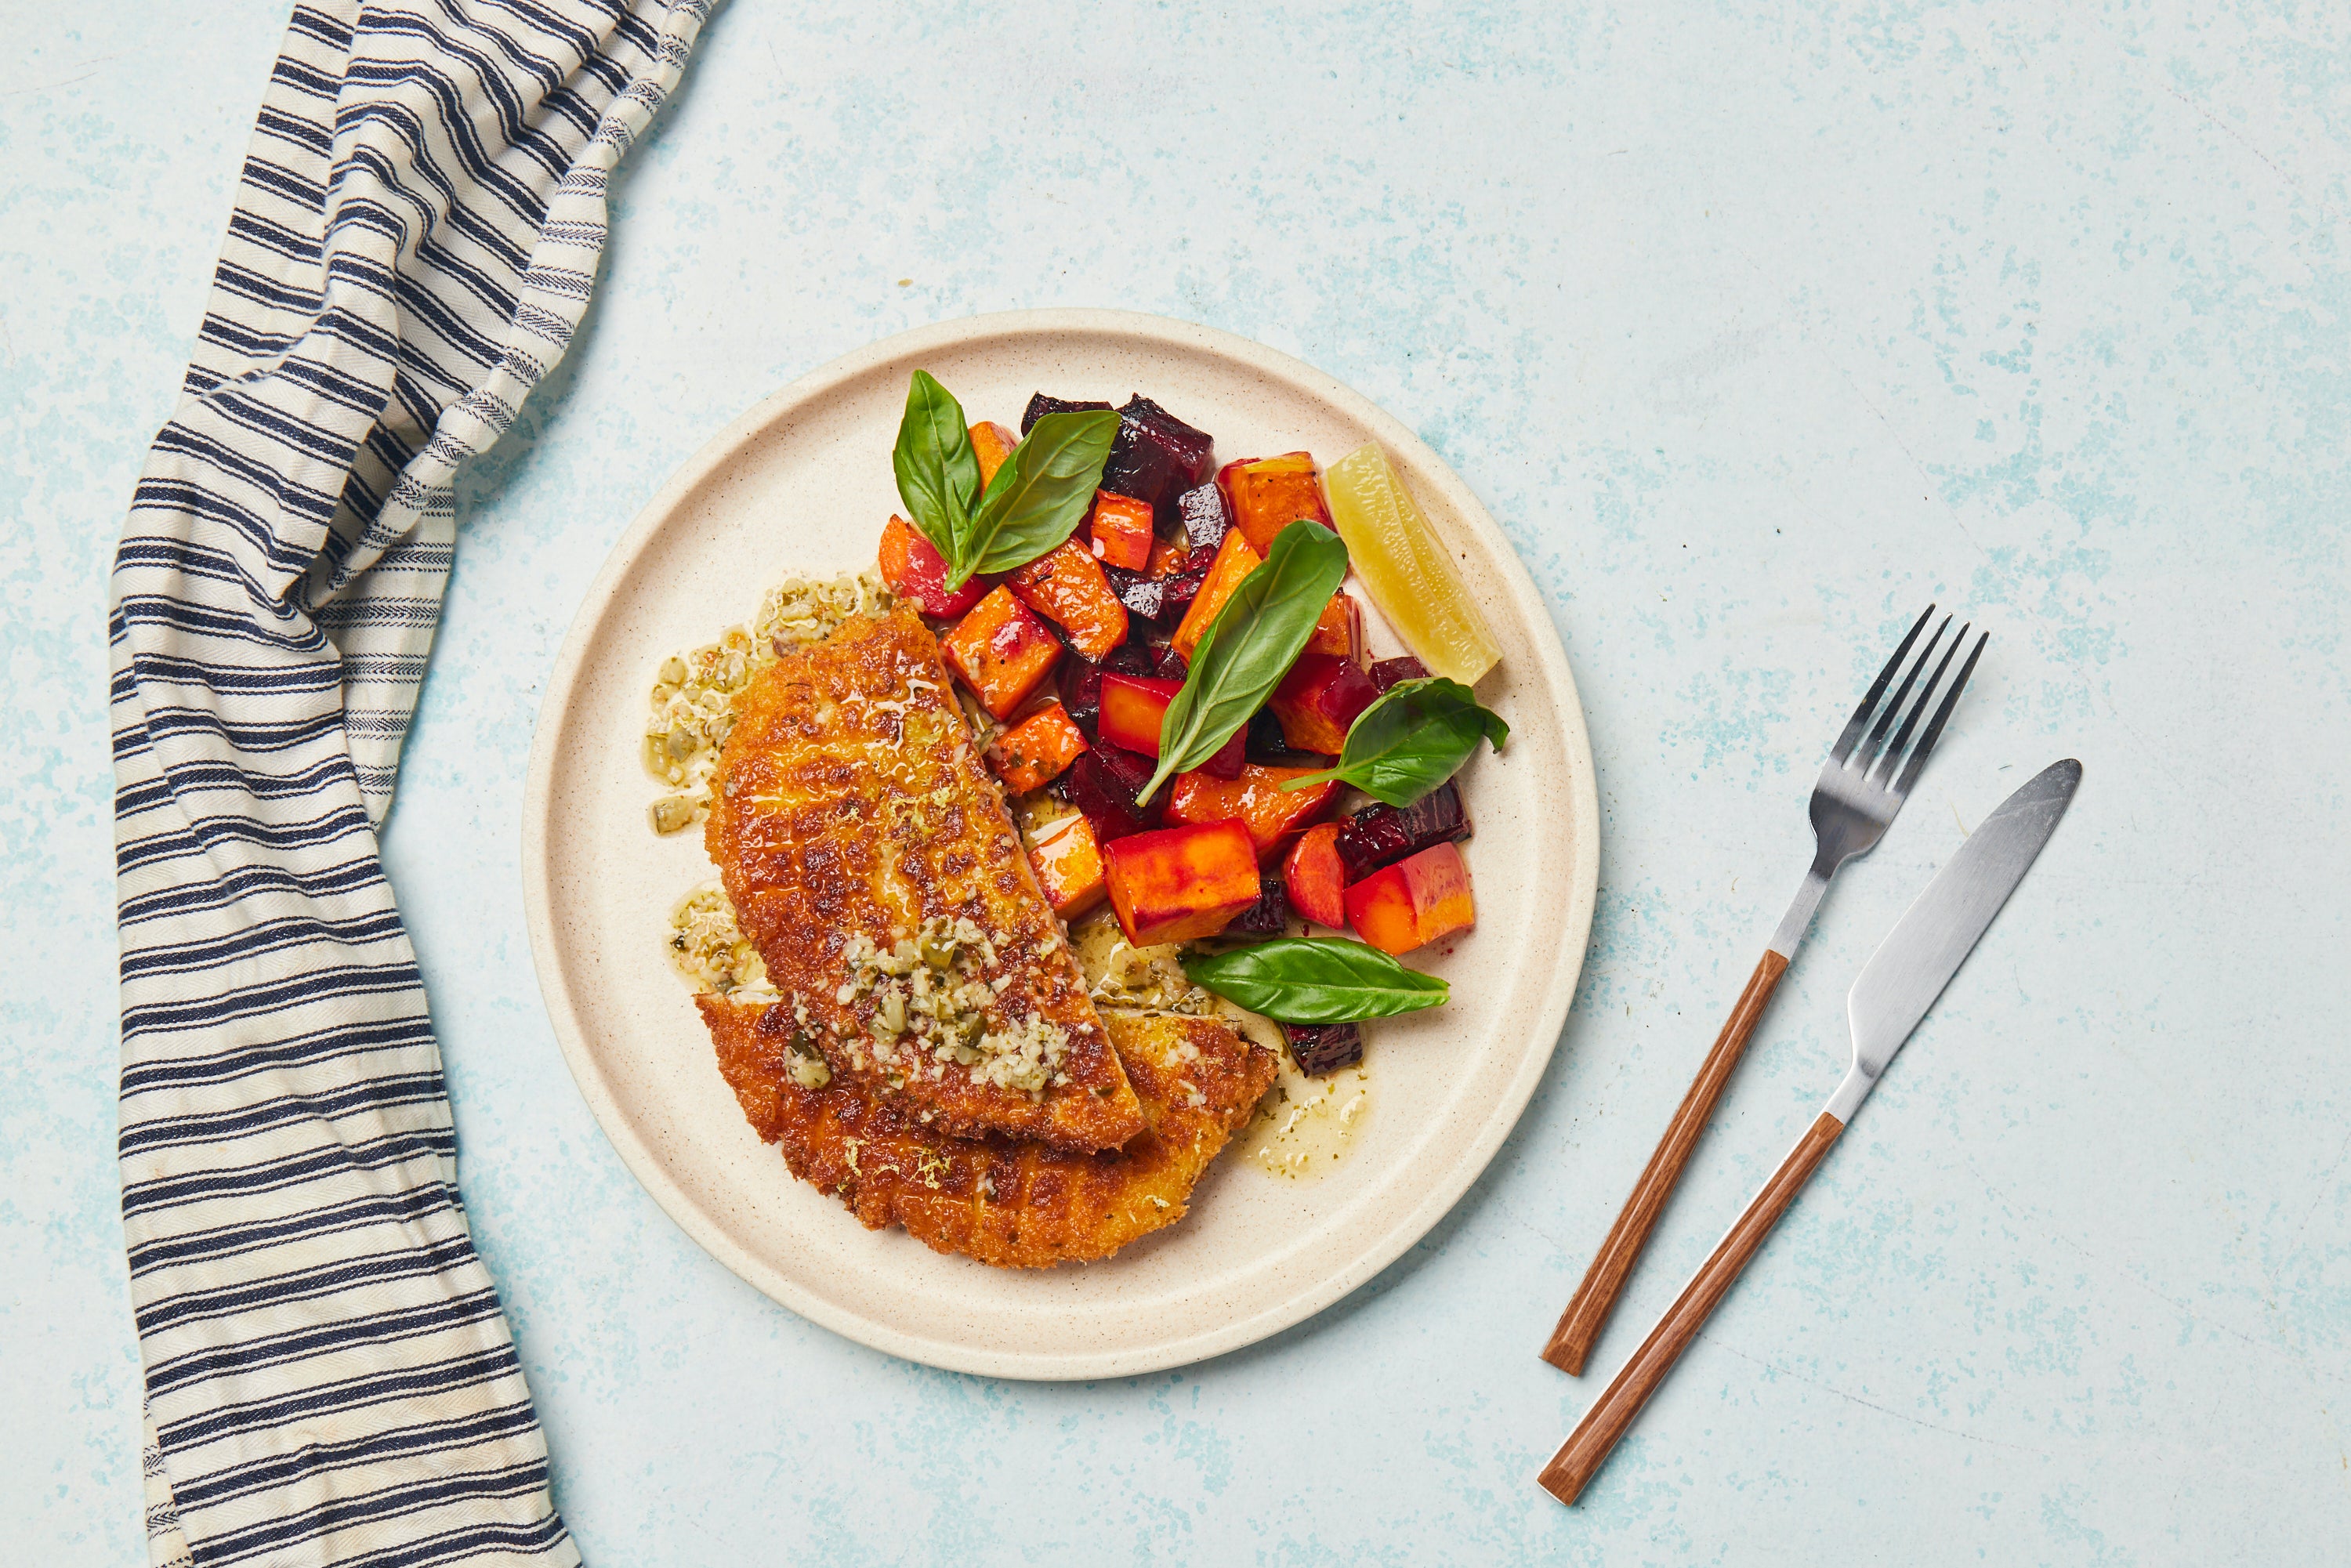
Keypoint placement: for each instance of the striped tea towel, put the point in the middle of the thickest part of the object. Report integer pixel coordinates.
(329, 1376)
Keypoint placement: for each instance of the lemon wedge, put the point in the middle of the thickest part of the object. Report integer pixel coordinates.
(1408, 574)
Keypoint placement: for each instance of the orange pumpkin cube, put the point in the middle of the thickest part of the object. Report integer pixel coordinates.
(1235, 560)
(1068, 859)
(1414, 902)
(1167, 556)
(1033, 753)
(1273, 493)
(1315, 878)
(918, 573)
(1256, 800)
(1134, 709)
(991, 444)
(1120, 530)
(1002, 652)
(1066, 586)
(1176, 884)
(1318, 701)
(1339, 630)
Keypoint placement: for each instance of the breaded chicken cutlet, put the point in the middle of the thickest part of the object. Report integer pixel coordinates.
(873, 863)
(1006, 1203)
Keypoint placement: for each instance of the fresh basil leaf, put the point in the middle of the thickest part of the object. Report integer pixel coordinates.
(1316, 979)
(1040, 495)
(938, 473)
(1257, 635)
(1414, 737)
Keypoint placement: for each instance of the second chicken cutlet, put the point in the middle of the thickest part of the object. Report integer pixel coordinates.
(873, 863)
(1012, 1205)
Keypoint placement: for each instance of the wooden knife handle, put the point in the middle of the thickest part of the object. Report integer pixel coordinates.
(1588, 1447)
(1570, 1342)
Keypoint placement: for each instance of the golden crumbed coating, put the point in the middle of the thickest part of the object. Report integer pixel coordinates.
(1006, 1203)
(852, 813)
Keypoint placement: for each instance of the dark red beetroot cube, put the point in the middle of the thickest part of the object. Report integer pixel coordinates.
(1382, 835)
(1323, 1049)
(1040, 405)
(1205, 516)
(1387, 672)
(1168, 663)
(1265, 744)
(1157, 458)
(1102, 784)
(1268, 917)
(1229, 757)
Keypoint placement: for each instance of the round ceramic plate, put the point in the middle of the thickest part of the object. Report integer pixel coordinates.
(801, 484)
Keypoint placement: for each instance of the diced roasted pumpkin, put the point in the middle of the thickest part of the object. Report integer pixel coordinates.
(1131, 709)
(1178, 884)
(1235, 560)
(1320, 697)
(1066, 586)
(1270, 493)
(1339, 630)
(1315, 878)
(1068, 858)
(1414, 902)
(1119, 530)
(1171, 556)
(1033, 753)
(991, 444)
(918, 573)
(1002, 651)
(1255, 799)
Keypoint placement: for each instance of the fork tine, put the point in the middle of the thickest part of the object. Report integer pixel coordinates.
(1882, 771)
(1844, 747)
(1935, 730)
(1868, 754)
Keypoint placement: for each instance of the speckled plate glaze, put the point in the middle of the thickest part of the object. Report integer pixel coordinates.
(802, 483)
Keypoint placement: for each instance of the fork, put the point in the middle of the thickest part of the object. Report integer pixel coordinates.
(1861, 791)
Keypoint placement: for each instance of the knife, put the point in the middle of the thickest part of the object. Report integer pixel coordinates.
(1896, 987)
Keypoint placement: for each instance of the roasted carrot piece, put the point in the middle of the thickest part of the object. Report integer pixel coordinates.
(1068, 859)
(1235, 560)
(1121, 531)
(1256, 800)
(1002, 652)
(1315, 877)
(991, 444)
(1414, 902)
(1033, 753)
(1067, 587)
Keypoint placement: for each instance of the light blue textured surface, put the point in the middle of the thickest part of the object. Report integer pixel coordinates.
(1755, 333)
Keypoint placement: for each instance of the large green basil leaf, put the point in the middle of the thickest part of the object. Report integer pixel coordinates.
(1257, 635)
(938, 473)
(1040, 495)
(1414, 737)
(1316, 980)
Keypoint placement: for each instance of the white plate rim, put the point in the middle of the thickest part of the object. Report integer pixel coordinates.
(1447, 1186)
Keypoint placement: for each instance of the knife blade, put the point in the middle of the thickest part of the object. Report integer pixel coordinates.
(1895, 989)
(1938, 931)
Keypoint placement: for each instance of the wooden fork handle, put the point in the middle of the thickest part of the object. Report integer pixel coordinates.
(1588, 1447)
(1570, 1342)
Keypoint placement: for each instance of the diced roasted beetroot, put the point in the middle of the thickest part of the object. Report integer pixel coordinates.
(1096, 786)
(1157, 458)
(1415, 901)
(1144, 596)
(1168, 663)
(1040, 405)
(1381, 835)
(1322, 1049)
(1205, 516)
(1181, 883)
(1229, 758)
(1133, 707)
(1268, 917)
(1318, 699)
(1315, 879)
(1266, 743)
(1404, 667)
